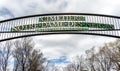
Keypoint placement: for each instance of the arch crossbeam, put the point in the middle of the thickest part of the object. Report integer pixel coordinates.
(60, 23)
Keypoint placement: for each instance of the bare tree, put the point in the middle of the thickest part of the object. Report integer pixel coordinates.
(77, 65)
(26, 57)
(115, 53)
(5, 54)
(55, 68)
(90, 59)
(107, 57)
(103, 59)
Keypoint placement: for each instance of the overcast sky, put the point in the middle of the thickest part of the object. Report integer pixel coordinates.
(61, 48)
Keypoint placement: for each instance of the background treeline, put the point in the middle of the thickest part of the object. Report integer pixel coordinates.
(107, 58)
(22, 56)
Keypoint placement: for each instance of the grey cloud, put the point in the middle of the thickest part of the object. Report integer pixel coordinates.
(63, 5)
(30, 7)
(72, 41)
(70, 47)
(51, 1)
(93, 6)
(5, 13)
(116, 11)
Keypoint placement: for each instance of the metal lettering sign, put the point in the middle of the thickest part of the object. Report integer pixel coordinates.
(62, 23)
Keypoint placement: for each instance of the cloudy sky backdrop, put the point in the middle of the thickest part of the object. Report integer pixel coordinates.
(61, 49)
